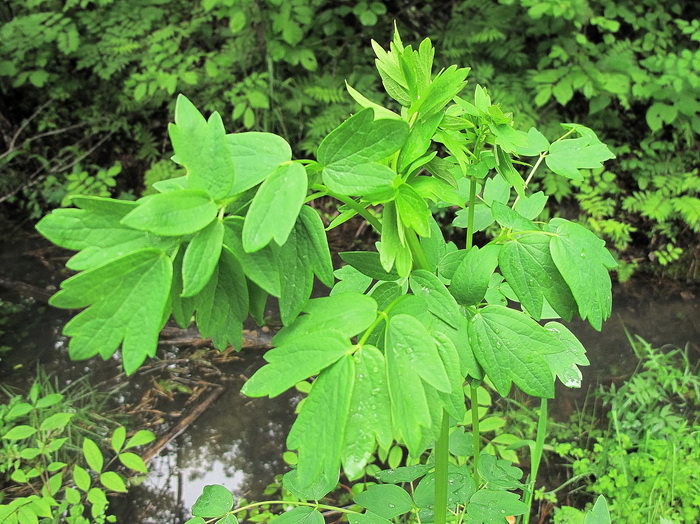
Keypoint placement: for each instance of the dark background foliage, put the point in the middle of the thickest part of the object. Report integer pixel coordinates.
(88, 87)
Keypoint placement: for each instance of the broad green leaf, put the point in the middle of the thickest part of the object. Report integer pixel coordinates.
(453, 401)
(392, 249)
(56, 421)
(350, 280)
(201, 256)
(19, 432)
(379, 111)
(350, 153)
(531, 206)
(566, 157)
(492, 506)
(412, 210)
(98, 235)
(296, 277)
(511, 347)
(21, 409)
(499, 474)
(599, 514)
(175, 213)
(418, 140)
(200, 146)
(411, 340)
(93, 455)
(565, 363)
(126, 299)
(133, 461)
(347, 313)
(255, 156)
(118, 438)
(214, 501)
(459, 488)
(471, 278)
(496, 188)
(113, 482)
(296, 360)
(511, 219)
(368, 263)
(584, 262)
(275, 207)
(444, 87)
(319, 431)
(367, 518)
(300, 515)
(504, 166)
(313, 237)
(369, 413)
(527, 265)
(386, 500)
(222, 305)
(140, 438)
(82, 478)
(440, 302)
(410, 412)
(392, 77)
(536, 143)
(228, 519)
(261, 267)
(403, 474)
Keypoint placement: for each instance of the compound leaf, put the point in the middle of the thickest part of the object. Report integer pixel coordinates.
(385, 500)
(175, 213)
(566, 157)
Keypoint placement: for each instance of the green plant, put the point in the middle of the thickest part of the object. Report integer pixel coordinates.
(42, 444)
(393, 345)
(646, 460)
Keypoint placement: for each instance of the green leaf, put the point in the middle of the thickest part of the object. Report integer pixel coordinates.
(583, 261)
(275, 207)
(413, 211)
(531, 206)
(536, 143)
(133, 461)
(386, 500)
(599, 514)
(367, 518)
(499, 474)
(126, 299)
(379, 111)
(81, 478)
(348, 313)
(445, 86)
(659, 114)
(222, 305)
(410, 412)
(255, 156)
(19, 432)
(492, 506)
(504, 167)
(511, 219)
(113, 482)
(300, 515)
(201, 257)
(175, 213)
(319, 431)
(261, 267)
(296, 277)
(296, 360)
(317, 254)
(350, 153)
(200, 146)
(97, 233)
(565, 363)
(118, 438)
(140, 438)
(19, 410)
(511, 347)
(350, 280)
(566, 157)
(370, 412)
(440, 302)
(56, 421)
(471, 278)
(529, 269)
(93, 455)
(453, 402)
(214, 501)
(368, 263)
(392, 248)
(228, 519)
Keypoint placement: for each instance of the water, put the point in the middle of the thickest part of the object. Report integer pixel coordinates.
(238, 442)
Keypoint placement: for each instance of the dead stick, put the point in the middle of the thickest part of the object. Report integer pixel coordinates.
(182, 424)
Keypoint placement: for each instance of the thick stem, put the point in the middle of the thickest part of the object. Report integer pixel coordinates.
(470, 214)
(535, 458)
(441, 464)
(476, 436)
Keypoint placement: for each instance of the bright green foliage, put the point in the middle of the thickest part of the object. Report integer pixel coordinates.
(386, 365)
(42, 463)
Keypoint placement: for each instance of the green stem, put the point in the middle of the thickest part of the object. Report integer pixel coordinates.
(476, 436)
(470, 215)
(356, 206)
(442, 456)
(535, 458)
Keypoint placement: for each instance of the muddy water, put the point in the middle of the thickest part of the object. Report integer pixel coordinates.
(238, 442)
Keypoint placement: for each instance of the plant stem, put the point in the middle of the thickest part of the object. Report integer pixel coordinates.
(359, 208)
(470, 213)
(476, 436)
(441, 464)
(535, 458)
